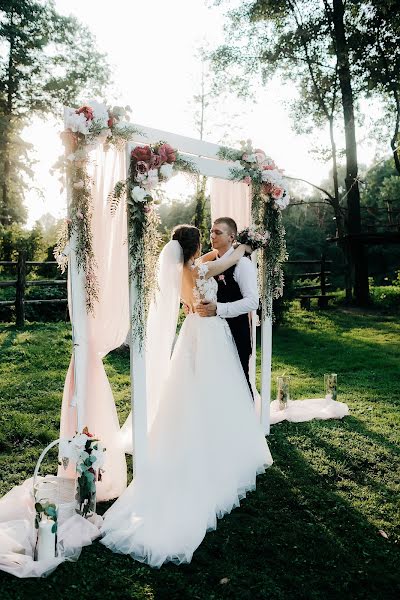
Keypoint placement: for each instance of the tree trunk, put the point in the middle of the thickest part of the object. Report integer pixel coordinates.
(358, 254)
(340, 229)
(5, 210)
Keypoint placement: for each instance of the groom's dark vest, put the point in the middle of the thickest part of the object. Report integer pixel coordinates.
(229, 291)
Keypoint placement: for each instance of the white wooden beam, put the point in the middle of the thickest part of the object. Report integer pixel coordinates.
(180, 142)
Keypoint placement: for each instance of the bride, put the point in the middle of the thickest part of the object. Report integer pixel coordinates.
(206, 445)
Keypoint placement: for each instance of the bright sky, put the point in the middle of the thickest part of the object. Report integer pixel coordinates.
(153, 54)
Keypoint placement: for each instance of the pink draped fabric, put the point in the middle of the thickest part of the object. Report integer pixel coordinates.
(87, 388)
(231, 199)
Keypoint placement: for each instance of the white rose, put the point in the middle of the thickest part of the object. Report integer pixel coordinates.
(283, 202)
(166, 171)
(76, 123)
(152, 179)
(138, 194)
(272, 176)
(99, 455)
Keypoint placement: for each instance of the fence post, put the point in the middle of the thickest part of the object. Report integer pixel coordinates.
(322, 302)
(20, 289)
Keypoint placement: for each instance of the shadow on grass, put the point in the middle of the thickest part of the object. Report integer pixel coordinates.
(294, 538)
(316, 351)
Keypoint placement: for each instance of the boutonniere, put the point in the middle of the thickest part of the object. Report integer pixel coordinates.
(222, 278)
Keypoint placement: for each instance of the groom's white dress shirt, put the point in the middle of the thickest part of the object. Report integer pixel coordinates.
(245, 276)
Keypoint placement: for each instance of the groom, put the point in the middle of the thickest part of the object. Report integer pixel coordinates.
(237, 291)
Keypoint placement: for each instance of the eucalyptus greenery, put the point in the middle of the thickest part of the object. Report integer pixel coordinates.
(47, 509)
(86, 481)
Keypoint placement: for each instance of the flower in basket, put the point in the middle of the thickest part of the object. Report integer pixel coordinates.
(253, 238)
(87, 452)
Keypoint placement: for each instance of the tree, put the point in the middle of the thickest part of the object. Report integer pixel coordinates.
(375, 52)
(311, 43)
(49, 61)
(202, 102)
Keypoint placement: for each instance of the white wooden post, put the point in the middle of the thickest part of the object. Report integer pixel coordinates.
(78, 317)
(138, 393)
(77, 297)
(266, 363)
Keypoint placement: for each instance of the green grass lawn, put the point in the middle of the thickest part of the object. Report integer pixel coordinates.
(310, 531)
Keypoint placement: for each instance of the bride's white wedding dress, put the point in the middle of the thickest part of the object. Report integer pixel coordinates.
(206, 447)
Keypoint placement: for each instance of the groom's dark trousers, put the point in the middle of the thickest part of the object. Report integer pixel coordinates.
(229, 291)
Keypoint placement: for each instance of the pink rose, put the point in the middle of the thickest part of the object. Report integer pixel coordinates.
(247, 179)
(141, 153)
(277, 193)
(260, 156)
(268, 165)
(266, 188)
(245, 157)
(87, 111)
(167, 153)
(155, 161)
(147, 208)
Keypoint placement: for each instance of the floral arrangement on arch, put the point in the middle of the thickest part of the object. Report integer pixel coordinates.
(150, 166)
(257, 240)
(88, 454)
(269, 195)
(86, 127)
(263, 169)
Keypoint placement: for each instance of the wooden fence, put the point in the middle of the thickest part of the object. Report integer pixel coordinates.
(21, 283)
(322, 286)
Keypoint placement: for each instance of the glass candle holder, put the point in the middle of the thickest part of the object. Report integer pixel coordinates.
(283, 394)
(330, 380)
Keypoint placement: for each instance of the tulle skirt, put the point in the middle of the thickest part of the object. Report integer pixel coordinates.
(206, 447)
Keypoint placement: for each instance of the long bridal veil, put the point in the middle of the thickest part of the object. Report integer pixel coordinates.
(160, 331)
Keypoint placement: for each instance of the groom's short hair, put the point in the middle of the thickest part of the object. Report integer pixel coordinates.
(229, 222)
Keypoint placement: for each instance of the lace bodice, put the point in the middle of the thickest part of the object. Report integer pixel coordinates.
(205, 289)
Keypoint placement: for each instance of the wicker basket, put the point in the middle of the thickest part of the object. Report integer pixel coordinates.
(59, 490)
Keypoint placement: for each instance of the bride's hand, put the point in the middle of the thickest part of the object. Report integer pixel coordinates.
(247, 249)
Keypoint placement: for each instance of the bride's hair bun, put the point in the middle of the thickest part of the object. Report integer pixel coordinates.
(189, 238)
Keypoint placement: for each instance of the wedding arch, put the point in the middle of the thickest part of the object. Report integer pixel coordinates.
(102, 303)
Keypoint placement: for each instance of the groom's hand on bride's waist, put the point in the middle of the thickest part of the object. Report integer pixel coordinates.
(206, 309)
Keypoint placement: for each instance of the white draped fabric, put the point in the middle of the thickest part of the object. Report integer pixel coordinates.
(18, 535)
(87, 388)
(231, 199)
(298, 411)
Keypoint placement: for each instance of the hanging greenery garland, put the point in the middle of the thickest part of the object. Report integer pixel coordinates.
(269, 196)
(150, 166)
(85, 128)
